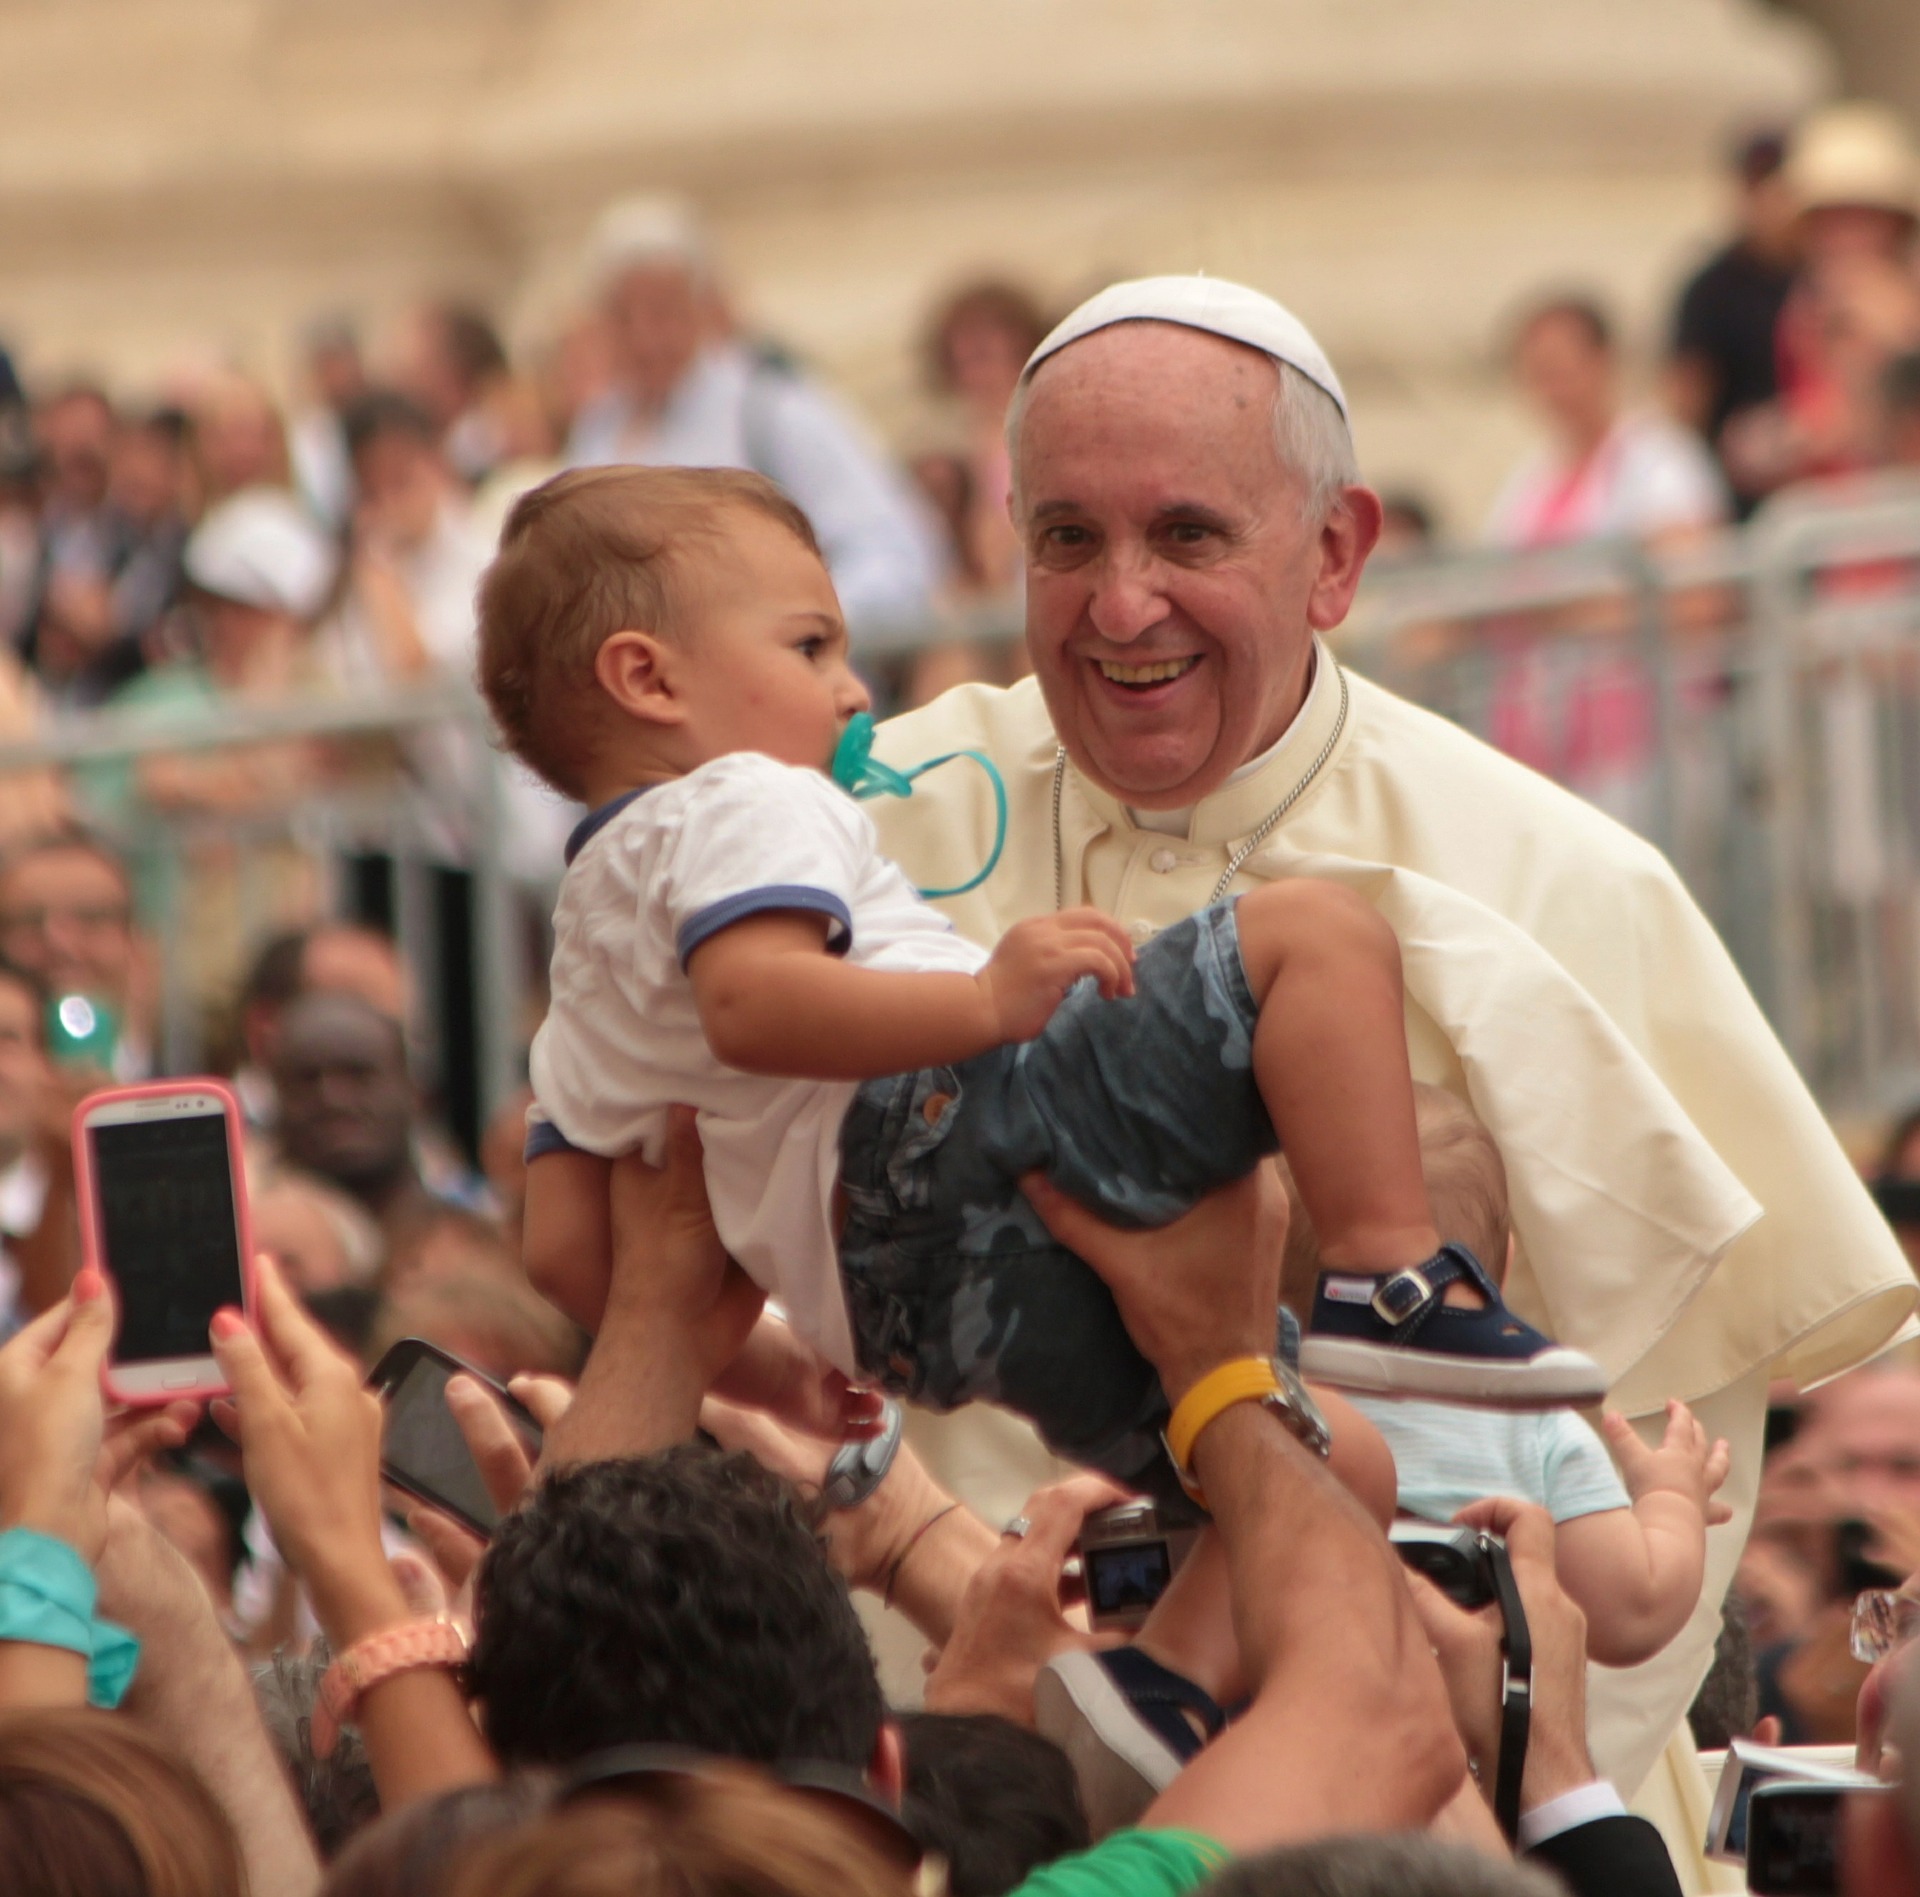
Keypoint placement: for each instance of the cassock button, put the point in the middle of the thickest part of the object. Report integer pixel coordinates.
(1163, 860)
(1142, 931)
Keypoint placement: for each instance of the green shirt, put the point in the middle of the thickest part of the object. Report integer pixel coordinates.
(1130, 1864)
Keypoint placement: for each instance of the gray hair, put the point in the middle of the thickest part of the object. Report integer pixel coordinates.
(1310, 434)
(1407, 1865)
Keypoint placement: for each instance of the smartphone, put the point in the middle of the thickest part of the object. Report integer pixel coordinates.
(422, 1451)
(1793, 1837)
(163, 1213)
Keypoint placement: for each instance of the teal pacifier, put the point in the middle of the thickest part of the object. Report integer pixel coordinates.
(857, 771)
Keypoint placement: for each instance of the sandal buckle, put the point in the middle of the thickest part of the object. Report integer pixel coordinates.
(1404, 1295)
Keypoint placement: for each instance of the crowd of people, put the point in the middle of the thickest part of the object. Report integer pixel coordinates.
(232, 1659)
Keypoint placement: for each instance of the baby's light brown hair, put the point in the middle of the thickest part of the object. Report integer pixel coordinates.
(583, 556)
(1466, 1187)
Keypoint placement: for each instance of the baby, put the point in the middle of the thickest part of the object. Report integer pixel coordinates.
(1632, 1553)
(666, 646)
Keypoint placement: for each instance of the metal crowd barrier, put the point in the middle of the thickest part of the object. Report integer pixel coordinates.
(1750, 702)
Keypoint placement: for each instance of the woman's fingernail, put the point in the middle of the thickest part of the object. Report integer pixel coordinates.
(228, 1323)
(88, 1285)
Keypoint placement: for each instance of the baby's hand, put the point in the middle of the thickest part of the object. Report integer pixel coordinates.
(1686, 1463)
(1040, 959)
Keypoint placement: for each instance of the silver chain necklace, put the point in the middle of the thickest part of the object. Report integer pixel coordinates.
(1259, 834)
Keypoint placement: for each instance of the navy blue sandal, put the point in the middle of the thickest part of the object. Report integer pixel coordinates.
(1397, 1336)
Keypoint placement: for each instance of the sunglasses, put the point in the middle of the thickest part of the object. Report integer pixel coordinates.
(838, 1787)
(1883, 1619)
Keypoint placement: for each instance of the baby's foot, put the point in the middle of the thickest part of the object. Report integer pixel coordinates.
(1404, 1335)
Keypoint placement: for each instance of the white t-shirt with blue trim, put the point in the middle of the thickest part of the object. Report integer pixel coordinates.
(1447, 1455)
(652, 876)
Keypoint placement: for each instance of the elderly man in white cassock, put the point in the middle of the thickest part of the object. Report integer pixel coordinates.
(1185, 486)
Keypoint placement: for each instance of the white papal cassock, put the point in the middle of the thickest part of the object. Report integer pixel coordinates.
(1681, 1209)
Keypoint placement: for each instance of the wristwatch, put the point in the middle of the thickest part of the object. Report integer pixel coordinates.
(1293, 1403)
(858, 1468)
(1269, 1381)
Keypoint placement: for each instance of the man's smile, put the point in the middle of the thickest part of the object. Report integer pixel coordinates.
(1145, 677)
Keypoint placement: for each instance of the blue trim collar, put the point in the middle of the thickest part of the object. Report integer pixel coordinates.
(595, 821)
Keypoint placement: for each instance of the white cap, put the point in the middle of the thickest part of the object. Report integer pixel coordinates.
(1210, 303)
(262, 548)
(1854, 153)
(656, 228)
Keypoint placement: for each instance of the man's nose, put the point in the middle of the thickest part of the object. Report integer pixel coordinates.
(1127, 598)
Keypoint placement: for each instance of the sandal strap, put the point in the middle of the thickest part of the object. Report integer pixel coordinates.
(1160, 1695)
(1409, 1298)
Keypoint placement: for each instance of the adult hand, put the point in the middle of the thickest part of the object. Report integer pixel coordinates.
(863, 1542)
(1193, 1294)
(1469, 1648)
(309, 1433)
(1012, 1620)
(504, 1462)
(59, 1457)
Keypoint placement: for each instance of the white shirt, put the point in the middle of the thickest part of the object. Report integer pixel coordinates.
(1648, 476)
(23, 1197)
(732, 409)
(653, 875)
(1446, 1455)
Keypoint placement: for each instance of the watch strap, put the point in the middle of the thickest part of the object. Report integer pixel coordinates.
(402, 1648)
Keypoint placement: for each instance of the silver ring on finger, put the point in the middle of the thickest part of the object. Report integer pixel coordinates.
(1019, 1528)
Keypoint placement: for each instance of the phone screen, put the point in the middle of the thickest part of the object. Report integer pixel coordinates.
(168, 1230)
(423, 1444)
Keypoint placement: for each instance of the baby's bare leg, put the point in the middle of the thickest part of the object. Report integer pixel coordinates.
(1330, 1054)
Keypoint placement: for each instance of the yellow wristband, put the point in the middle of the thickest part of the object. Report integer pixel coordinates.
(1244, 1380)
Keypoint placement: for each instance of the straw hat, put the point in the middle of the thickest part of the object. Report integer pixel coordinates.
(1854, 154)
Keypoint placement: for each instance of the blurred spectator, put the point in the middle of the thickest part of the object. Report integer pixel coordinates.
(323, 1239)
(977, 344)
(31, 801)
(492, 1319)
(347, 1109)
(66, 917)
(81, 644)
(1605, 470)
(336, 378)
(238, 438)
(24, 1173)
(448, 360)
(691, 393)
(1854, 178)
(19, 515)
(1406, 526)
(202, 1512)
(1723, 360)
(336, 957)
(148, 495)
(415, 556)
(1900, 412)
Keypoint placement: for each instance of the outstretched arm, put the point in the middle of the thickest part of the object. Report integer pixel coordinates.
(1637, 1573)
(772, 1000)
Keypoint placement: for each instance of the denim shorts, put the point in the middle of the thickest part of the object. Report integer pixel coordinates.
(1137, 1108)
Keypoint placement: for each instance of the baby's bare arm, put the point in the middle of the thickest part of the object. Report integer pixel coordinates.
(1637, 1572)
(772, 1000)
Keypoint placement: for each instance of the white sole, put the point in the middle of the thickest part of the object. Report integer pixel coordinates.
(1557, 1380)
(1120, 1764)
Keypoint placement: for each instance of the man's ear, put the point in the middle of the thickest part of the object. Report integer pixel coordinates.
(887, 1773)
(1346, 538)
(639, 673)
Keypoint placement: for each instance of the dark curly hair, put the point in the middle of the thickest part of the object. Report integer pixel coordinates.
(676, 1599)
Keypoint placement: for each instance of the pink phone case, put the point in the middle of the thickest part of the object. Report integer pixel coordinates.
(86, 1190)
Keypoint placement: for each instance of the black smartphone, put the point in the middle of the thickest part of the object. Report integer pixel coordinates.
(1458, 1561)
(422, 1450)
(1793, 1837)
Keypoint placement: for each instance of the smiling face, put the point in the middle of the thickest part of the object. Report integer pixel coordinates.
(1174, 576)
(763, 666)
